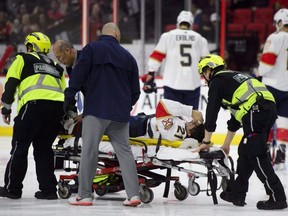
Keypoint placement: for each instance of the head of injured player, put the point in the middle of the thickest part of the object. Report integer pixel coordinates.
(195, 131)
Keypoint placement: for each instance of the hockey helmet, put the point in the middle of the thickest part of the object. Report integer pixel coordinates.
(281, 15)
(185, 16)
(39, 41)
(212, 61)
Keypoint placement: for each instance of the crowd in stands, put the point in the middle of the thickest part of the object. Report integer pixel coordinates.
(20, 17)
(61, 19)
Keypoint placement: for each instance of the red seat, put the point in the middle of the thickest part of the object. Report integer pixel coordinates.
(235, 29)
(270, 29)
(263, 15)
(242, 15)
(169, 27)
(257, 28)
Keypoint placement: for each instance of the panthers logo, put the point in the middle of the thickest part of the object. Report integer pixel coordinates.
(167, 123)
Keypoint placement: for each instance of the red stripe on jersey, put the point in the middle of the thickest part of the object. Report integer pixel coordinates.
(161, 110)
(282, 134)
(268, 58)
(158, 56)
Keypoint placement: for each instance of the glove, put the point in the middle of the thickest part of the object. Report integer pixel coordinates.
(150, 87)
(68, 108)
(6, 113)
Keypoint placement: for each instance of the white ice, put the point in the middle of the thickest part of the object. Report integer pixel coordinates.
(111, 204)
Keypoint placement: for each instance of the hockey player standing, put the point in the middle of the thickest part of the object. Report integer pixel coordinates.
(273, 68)
(181, 49)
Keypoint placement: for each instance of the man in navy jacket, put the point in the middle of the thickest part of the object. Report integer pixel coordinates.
(110, 76)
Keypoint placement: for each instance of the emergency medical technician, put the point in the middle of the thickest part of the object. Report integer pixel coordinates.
(40, 84)
(253, 106)
(273, 67)
(181, 49)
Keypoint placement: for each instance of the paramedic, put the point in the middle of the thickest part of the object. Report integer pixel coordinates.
(181, 49)
(253, 106)
(40, 84)
(110, 74)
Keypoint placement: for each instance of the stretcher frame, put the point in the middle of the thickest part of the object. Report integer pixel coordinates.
(108, 165)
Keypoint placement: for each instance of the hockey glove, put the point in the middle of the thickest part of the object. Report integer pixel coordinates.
(149, 87)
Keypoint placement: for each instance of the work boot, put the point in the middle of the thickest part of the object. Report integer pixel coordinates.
(46, 195)
(228, 197)
(271, 204)
(4, 193)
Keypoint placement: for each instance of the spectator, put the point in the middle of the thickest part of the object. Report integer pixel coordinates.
(16, 34)
(54, 12)
(95, 22)
(102, 62)
(206, 28)
(181, 49)
(196, 11)
(5, 27)
(278, 4)
(27, 24)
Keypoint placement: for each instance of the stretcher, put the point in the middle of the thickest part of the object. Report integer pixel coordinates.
(150, 156)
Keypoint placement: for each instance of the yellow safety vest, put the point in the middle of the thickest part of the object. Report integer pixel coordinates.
(39, 80)
(245, 96)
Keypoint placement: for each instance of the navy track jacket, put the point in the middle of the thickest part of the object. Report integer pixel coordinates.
(111, 79)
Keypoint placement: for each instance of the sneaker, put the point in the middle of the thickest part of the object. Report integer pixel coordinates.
(271, 204)
(4, 193)
(133, 201)
(46, 195)
(80, 202)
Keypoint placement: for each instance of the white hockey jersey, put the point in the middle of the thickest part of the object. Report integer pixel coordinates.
(170, 120)
(273, 66)
(181, 50)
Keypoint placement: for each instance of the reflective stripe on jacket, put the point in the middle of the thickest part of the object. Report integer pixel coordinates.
(40, 78)
(245, 96)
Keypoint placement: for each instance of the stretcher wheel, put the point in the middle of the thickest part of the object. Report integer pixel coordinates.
(146, 195)
(100, 191)
(180, 192)
(64, 191)
(194, 189)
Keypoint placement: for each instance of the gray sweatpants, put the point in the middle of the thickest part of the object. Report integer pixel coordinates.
(118, 133)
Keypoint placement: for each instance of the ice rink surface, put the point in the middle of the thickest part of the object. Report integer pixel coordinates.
(111, 204)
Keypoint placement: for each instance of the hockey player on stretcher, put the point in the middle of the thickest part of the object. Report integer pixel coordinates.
(179, 125)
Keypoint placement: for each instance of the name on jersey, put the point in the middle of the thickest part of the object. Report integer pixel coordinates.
(47, 69)
(185, 37)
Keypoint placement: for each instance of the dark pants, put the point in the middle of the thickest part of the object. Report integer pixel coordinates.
(183, 96)
(38, 122)
(253, 155)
